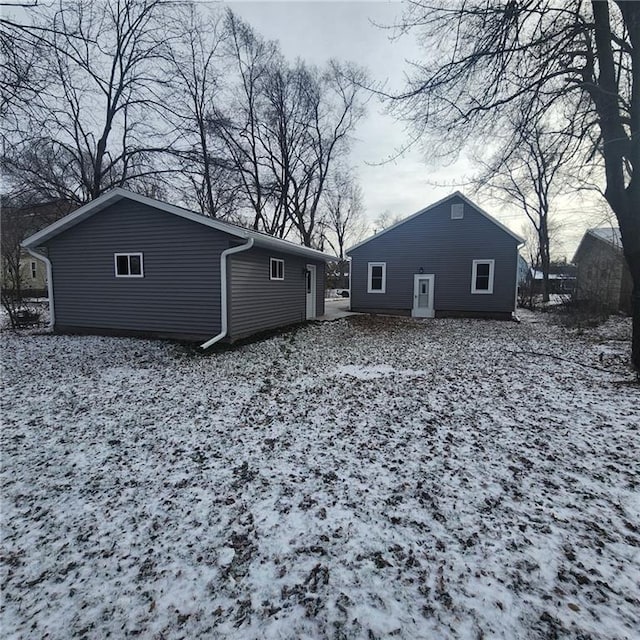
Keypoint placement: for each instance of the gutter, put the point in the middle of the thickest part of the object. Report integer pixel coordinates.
(47, 262)
(223, 291)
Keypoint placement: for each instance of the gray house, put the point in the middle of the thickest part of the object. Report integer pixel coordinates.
(450, 259)
(125, 264)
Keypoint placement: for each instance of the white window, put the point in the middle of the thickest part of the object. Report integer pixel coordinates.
(128, 265)
(34, 269)
(377, 277)
(277, 269)
(457, 211)
(482, 276)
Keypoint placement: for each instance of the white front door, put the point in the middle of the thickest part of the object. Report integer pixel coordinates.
(423, 296)
(310, 284)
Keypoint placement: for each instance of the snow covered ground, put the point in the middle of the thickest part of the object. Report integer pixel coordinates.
(365, 478)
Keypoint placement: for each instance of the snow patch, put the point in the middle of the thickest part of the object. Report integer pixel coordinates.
(307, 486)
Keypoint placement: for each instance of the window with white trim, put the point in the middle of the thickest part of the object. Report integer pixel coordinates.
(377, 277)
(482, 276)
(128, 265)
(34, 270)
(277, 269)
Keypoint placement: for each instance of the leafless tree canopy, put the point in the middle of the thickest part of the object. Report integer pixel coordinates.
(193, 63)
(89, 128)
(284, 127)
(173, 98)
(531, 175)
(343, 222)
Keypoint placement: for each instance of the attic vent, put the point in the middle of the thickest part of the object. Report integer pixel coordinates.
(457, 211)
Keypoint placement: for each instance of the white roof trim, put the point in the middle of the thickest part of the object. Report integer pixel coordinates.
(433, 206)
(113, 196)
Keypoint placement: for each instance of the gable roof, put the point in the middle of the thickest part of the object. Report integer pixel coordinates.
(456, 194)
(608, 235)
(115, 195)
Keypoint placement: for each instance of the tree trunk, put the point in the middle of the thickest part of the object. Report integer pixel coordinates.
(630, 230)
(545, 258)
(635, 339)
(618, 147)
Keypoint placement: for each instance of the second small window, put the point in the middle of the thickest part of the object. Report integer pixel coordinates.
(277, 269)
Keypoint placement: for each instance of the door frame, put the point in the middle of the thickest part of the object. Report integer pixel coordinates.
(310, 296)
(419, 312)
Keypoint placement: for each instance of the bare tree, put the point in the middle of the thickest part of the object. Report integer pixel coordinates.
(532, 173)
(94, 120)
(236, 120)
(20, 216)
(575, 57)
(343, 218)
(285, 126)
(385, 220)
(334, 107)
(23, 50)
(194, 76)
(284, 136)
(18, 71)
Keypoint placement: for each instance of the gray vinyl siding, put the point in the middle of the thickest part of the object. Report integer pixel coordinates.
(179, 295)
(257, 303)
(443, 247)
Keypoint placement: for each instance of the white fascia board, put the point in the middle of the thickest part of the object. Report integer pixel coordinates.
(433, 206)
(119, 193)
(506, 229)
(276, 244)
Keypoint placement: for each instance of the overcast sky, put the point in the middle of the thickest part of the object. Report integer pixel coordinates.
(318, 31)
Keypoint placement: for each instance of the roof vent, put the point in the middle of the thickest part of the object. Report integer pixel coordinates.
(457, 211)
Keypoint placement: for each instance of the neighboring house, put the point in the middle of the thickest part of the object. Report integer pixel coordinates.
(523, 271)
(562, 279)
(20, 270)
(603, 277)
(450, 259)
(125, 264)
(33, 274)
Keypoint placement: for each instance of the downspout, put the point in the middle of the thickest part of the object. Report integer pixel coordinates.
(47, 262)
(223, 291)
